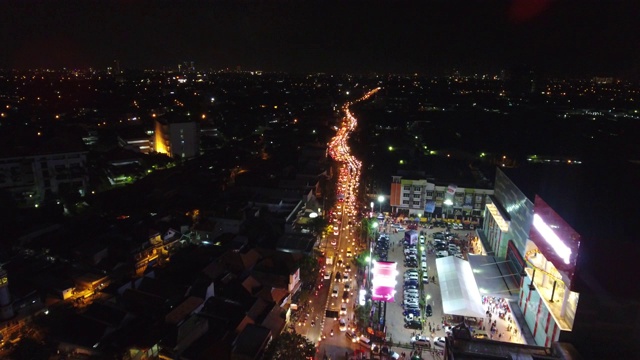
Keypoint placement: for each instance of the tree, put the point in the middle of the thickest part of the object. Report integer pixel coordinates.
(309, 269)
(290, 346)
(362, 314)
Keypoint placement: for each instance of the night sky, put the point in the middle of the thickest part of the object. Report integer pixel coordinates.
(572, 38)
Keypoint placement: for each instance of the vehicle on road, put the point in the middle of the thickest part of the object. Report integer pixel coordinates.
(343, 309)
(439, 341)
(429, 310)
(351, 335)
(327, 275)
(335, 291)
(342, 324)
(345, 296)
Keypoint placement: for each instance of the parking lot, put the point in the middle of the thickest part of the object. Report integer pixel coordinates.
(395, 319)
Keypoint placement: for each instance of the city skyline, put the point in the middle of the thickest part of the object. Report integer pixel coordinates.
(558, 38)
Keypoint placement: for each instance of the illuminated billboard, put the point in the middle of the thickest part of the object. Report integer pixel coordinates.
(383, 281)
(554, 238)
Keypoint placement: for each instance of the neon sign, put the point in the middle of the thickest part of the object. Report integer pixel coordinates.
(552, 239)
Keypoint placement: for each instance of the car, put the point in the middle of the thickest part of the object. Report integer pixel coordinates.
(343, 309)
(345, 296)
(442, 253)
(423, 257)
(411, 277)
(422, 239)
(414, 312)
(439, 341)
(393, 355)
(351, 335)
(342, 324)
(349, 254)
(429, 310)
(416, 325)
(411, 271)
(345, 276)
(327, 275)
(336, 232)
(425, 279)
(334, 292)
(411, 282)
(364, 341)
(411, 302)
(347, 268)
(459, 256)
(411, 297)
(423, 265)
(420, 340)
(410, 287)
(347, 286)
(409, 317)
(334, 242)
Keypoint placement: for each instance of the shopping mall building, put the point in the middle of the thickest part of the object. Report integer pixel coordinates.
(535, 227)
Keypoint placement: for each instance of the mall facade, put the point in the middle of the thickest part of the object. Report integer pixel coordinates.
(541, 250)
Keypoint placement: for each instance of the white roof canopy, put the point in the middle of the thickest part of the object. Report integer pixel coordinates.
(460, 294)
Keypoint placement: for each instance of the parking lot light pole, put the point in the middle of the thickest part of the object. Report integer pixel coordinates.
(380, 200)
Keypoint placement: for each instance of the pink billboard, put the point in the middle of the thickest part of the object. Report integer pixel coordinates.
(383, 280)
(555, 239)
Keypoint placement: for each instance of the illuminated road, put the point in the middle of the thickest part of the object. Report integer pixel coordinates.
(342, 245)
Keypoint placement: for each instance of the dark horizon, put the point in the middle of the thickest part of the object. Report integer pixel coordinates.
(554, 38)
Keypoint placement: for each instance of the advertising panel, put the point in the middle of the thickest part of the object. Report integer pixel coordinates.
(430, 206)
(554, 237)
(383, 276)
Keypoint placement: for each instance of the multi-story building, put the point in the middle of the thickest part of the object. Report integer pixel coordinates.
(177, 136)
(424, 198)
(46, 169)
(566, 292)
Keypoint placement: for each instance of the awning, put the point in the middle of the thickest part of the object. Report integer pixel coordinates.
(494, 277)
(460, 295)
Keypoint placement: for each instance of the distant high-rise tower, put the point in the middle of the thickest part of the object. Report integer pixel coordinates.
(116, 66)
(6, 307)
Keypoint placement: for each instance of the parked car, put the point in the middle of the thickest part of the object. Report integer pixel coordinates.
(416, 325)
(420, 340)
(439, 341)
(415, 312)
(409, 318)
(411, 302)
(429, 310)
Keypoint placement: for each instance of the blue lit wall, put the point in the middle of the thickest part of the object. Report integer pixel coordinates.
(520, 210)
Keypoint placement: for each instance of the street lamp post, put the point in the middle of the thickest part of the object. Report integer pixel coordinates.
(380, 200)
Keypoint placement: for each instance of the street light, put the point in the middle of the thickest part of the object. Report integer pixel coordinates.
(380, 200)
